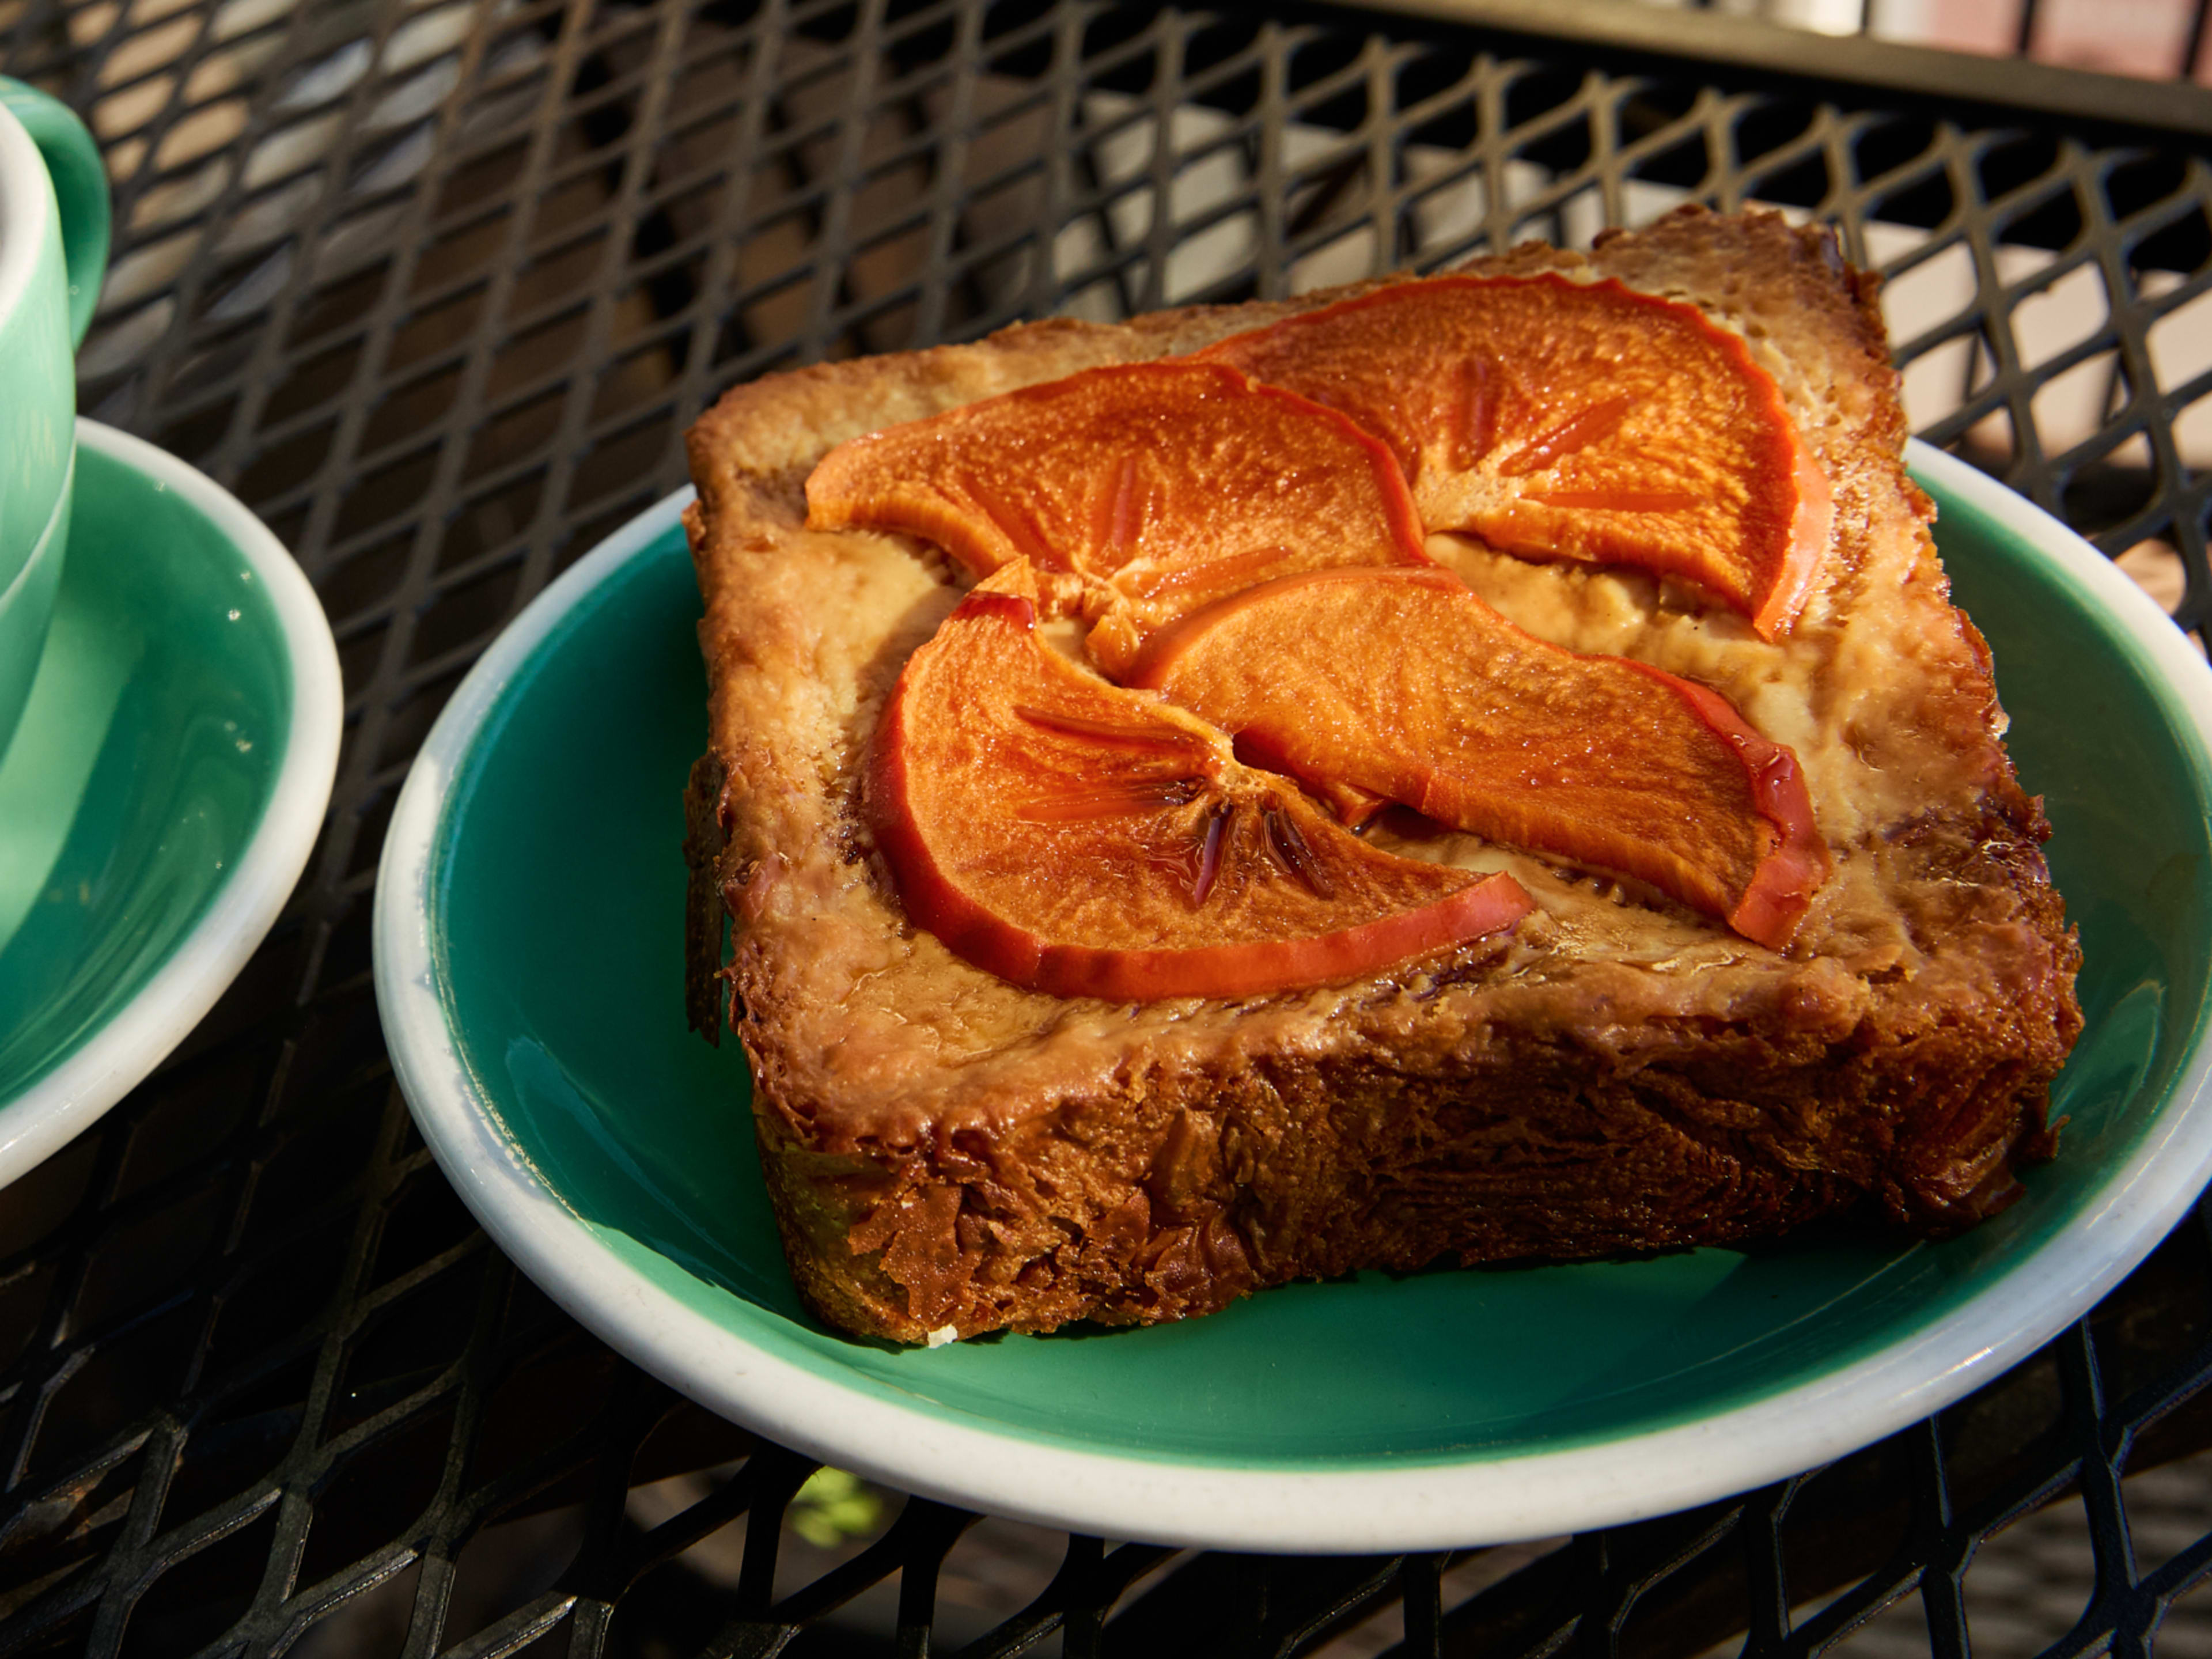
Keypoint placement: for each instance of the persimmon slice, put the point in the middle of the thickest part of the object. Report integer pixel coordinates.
(1172, 484)
(1083, 840)
(1564, 420)
(1601, 761)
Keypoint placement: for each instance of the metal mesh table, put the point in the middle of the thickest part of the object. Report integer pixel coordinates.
(437, 288)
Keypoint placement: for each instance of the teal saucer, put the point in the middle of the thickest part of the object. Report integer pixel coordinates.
(163, 791)
(529, 942)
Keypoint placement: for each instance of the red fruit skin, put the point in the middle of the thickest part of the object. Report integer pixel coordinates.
(1481, 907)
(970, 931)
(1812, 527)
(1781, 889)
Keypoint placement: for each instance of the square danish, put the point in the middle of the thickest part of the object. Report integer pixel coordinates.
(1475, 767)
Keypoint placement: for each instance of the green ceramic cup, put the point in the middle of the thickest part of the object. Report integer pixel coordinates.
(53, 249)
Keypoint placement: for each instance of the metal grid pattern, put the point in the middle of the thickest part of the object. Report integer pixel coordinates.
(436, 288)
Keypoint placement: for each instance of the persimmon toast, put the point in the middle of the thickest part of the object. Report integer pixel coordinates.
(1073, 695)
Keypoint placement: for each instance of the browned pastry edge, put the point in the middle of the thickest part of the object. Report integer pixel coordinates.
(1488, 1106)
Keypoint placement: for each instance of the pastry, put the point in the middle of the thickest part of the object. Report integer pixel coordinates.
(1831, 977)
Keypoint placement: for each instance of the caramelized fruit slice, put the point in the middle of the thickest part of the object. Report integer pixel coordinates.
(1174, 483)
(1560, 420)
(1083, 840)
(1599, 760)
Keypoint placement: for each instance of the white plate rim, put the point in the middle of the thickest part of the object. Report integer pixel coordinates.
(1433, 1506)
(68, 1100)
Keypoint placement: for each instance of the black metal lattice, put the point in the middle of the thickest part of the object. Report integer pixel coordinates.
(435, 289)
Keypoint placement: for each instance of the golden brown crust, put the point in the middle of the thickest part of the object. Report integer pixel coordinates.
(944, 1149)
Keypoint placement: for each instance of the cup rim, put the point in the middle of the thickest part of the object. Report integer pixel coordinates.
(24, 190)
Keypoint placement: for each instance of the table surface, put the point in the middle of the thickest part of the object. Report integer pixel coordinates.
(435, 289)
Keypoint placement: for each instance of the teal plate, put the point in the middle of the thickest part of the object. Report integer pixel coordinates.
(163, 791)
(528, 934)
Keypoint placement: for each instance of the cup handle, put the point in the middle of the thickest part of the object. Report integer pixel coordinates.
(80, 189)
